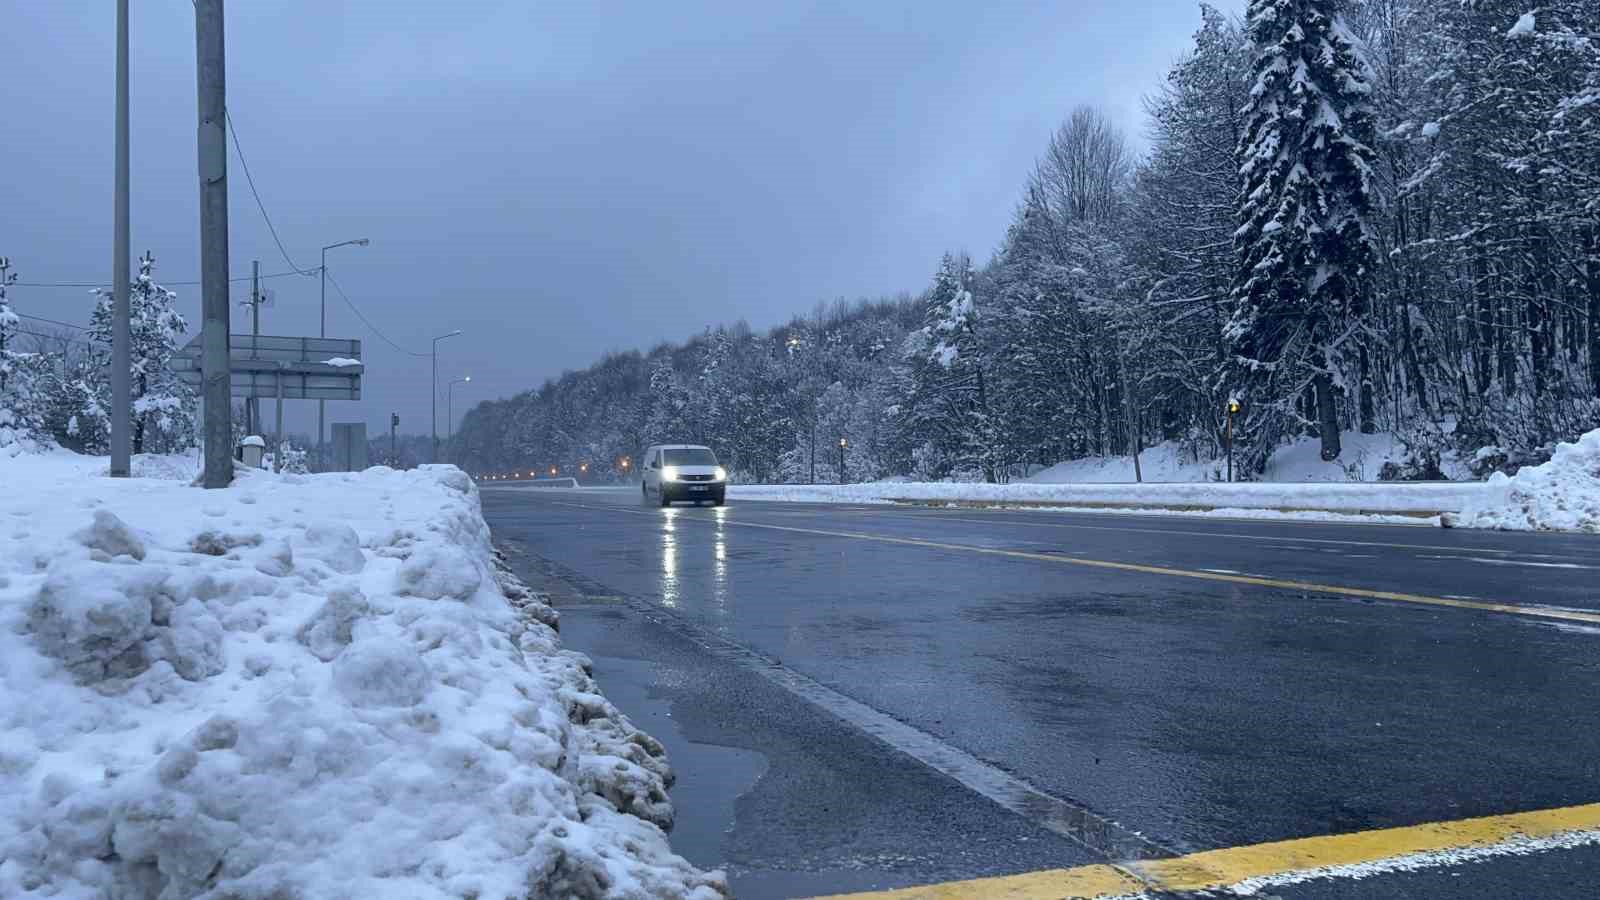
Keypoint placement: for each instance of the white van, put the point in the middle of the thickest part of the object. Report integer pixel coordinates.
(683, 472)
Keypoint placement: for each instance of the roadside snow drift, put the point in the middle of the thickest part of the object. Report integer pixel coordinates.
(1560, 495)
(1240, 498)
(300, 687)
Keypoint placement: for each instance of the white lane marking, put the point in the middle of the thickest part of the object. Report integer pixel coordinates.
(1224, 534)
(1573, 629)
(1510, 562)
(1519, 846)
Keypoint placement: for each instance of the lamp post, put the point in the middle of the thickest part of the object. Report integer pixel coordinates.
(450, 410)
(1233, 408)
(794, 344)
(843, 443)
(322, 331)
(433, 416)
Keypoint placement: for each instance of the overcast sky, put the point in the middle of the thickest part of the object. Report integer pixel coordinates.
(556, 179)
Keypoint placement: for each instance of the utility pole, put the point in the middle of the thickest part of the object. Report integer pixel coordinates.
(121, 340)
(277, 429)
(212, 90)
(253, 405)
(394, 453)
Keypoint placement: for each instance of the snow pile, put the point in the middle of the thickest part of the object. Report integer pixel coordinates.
(341, 362)
(300, 687)
(1560, 495)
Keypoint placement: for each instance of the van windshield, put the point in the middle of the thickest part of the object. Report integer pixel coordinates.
(693, 456)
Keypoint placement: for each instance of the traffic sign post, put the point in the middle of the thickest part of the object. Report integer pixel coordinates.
(288, 368)
(284, 368)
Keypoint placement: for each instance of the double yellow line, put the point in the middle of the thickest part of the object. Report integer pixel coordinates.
(1216, 869)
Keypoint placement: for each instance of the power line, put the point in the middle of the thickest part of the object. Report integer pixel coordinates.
(365, 321)
(254, 193)
(54, 337)
(51, 321)
(101, 284)
(239, 150)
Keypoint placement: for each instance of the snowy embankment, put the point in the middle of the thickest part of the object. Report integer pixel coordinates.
(1362, 459)
(300, 687)
(1298, 484)
(1408, 502)
(1560, 495)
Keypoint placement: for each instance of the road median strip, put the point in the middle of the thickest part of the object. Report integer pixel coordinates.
(1249, 868)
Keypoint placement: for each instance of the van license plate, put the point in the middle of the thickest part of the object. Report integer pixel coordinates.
(697, 487)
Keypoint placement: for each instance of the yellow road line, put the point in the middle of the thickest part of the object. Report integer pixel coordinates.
(1050, 884)
(1539, 612)
(1214, 869)
(1269, 538)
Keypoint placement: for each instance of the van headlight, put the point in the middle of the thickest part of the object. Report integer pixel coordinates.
(722, 474)
(669, 473)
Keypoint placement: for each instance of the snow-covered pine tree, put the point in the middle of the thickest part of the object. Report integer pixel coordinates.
(21, 406)
(163, 414)
(948, 402)
(1305, 243)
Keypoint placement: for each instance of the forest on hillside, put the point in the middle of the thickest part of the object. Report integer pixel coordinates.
(1352, 215)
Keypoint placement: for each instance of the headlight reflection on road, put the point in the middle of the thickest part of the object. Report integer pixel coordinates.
(719, 566)
(669, 559)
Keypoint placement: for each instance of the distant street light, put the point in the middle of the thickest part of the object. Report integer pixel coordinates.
(322, 331)
(434, 415)
(1233, 409)
(450, 409)
(843, 443)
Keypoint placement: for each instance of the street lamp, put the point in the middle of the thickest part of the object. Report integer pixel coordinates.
(322, 331)
(1233, 409)
(450, 408)
(433, 416)
(843, 443)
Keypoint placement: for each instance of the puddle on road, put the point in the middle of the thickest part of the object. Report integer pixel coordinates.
(711, 778)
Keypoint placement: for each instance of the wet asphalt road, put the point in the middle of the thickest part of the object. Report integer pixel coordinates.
(1199, 714)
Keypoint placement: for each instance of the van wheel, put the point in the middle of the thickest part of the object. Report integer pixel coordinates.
(666, 499)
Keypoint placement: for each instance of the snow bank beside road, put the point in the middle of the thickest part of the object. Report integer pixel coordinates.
(1347, 498)
(300, 687)
(1363, 459)
(1560, 495)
